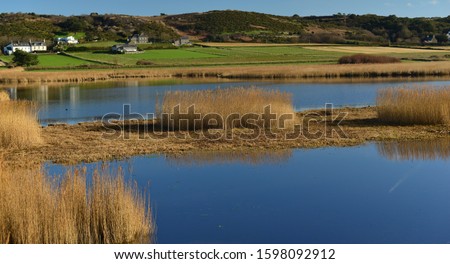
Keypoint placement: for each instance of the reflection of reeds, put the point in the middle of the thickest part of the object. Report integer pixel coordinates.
(253, 157)
(225, 102)
(18, 124)
(421, 106)
(416, 150)
(38, 209)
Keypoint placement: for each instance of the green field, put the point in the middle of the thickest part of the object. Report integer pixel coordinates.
(232, 55)
(54, 60)
(218, 56)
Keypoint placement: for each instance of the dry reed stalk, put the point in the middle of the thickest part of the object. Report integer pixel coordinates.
(38, 209)
(19, 127)
(226, 103)
(4, 96)
(407, 69)
(420, 106)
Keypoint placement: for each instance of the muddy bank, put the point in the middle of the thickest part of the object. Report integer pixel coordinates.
(90, 142)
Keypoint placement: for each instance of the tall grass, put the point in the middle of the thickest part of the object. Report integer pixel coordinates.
(420, 106)
(367, 59)
(19, 127)
(4, 96)
(225, 102)
(37, 209)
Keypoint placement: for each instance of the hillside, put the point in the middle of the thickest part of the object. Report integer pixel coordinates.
(91, 27)
(228, 26)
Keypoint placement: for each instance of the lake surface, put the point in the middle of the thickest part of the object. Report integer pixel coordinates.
(78, 103)
(377, 193)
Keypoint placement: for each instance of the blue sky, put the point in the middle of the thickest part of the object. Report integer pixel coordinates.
(410, 8)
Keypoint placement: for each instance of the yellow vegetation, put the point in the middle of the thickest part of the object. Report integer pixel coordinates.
(38, 209)
(4, 96)
(226, 103)
(420, 106)
(19, 127)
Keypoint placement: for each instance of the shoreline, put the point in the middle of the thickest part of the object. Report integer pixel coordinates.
(263, 72)
(86, 143)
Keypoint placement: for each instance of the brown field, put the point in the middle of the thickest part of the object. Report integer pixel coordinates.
(421, 106)
(411, 69)
(38, 209)
(375, 50)
(224, 44)
(225, 103)
(18, 125)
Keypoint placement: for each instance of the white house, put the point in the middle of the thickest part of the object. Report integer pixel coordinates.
(13, 47)
(182, 41)
(67, 40)
(448, 35)
(37, 46)
(124, 48)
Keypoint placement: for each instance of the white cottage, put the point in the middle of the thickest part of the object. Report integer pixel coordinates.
(67, 40)
(37, 46)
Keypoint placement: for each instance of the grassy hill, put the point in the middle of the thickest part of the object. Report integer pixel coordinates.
(227, 26)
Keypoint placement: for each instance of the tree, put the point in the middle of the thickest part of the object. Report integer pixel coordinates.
(22, 58)
(442, 38)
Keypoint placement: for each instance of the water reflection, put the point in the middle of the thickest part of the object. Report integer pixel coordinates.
(416, 150)
(199, 158)
(86, 102)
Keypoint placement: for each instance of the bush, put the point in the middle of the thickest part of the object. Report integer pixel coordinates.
(366, 59)
(22, 58)
(144, 62)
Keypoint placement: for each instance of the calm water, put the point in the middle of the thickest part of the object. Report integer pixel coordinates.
(367, 194)
(77, 103)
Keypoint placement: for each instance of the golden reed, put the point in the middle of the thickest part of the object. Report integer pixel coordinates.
(225, 103)
(419, 106)
(38, 209)
(19, 127)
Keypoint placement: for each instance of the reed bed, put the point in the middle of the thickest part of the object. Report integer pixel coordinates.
(38, 209)
(419, 106)
(19, 127)
(4, 96)
(416, 150)
(367, 59)
(410, 69)
(225, 103)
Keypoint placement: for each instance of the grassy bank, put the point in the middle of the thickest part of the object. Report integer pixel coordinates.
(19, 127)
(37, 209)
(421, 106)
(412, 69)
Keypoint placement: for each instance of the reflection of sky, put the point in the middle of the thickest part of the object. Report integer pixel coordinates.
(331, 195)
(82, 103)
